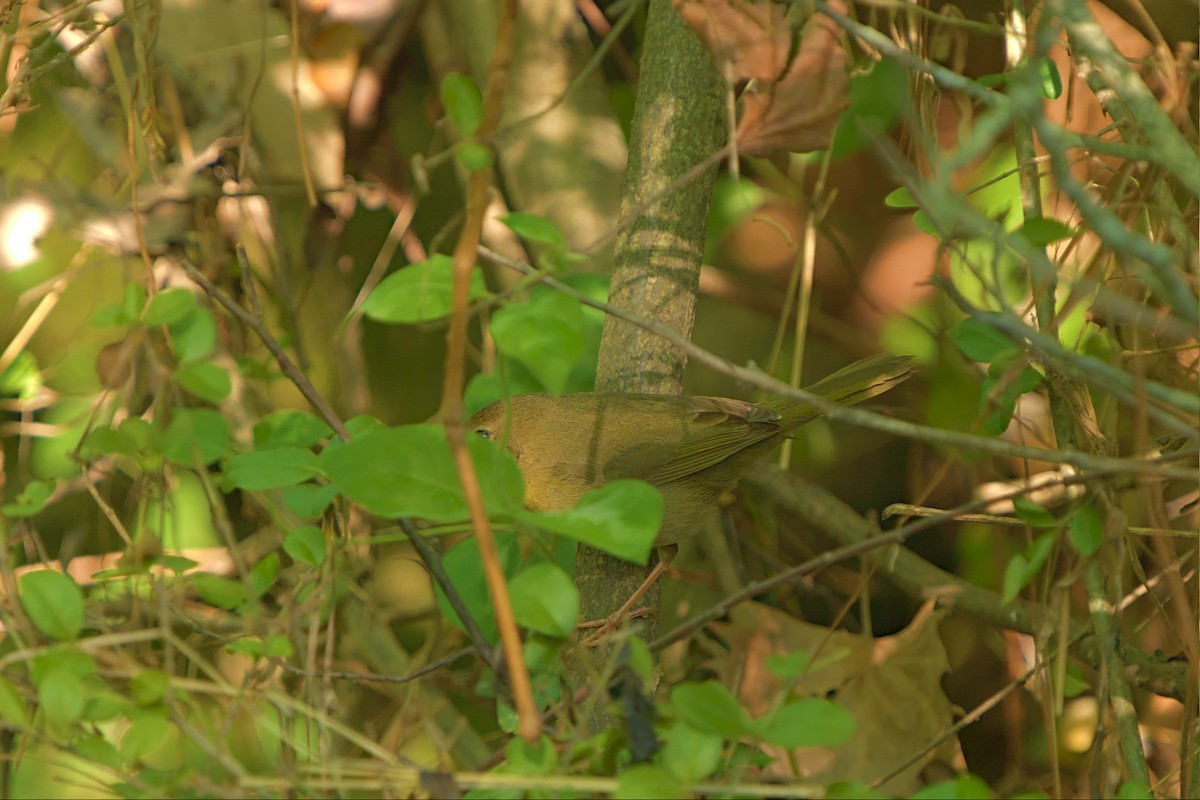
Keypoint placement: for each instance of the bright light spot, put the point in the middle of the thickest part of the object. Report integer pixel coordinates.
(22, 224)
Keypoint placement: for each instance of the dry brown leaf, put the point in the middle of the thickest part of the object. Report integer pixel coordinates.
(892, 685)
(753, 39)
(787, 107)
(799, 112)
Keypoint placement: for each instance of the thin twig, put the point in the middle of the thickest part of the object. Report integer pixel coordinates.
(286, 365)
(854, 416)
(300, 380)
(454, 379)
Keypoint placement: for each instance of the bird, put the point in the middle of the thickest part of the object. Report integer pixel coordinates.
(692, 448)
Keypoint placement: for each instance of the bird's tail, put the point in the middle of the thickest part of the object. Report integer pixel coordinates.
(849, 386)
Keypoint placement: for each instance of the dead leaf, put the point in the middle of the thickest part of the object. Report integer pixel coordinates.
(789, 107)
(799, 112)
(752, 39)
(892, 685)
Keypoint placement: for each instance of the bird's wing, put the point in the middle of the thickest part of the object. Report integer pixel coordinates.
(719, 428)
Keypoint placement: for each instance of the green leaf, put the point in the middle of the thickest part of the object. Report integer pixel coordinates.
(621, 518)
(900, 198)
(196, 436)
(998, 403)
(278, 646)
(250, 646)
(149, 687)
(465, 567)
(309, 500)
(263, 574)
(807, 722)
(879, 98)
(463, 103)
(1086, 531)
(102, 705)
(195, 336)
(1040, 231)
(169, 307)
(965, 787)
(793, 665)
(1074, 682)
(133, 300)
(1134, 790)
(689, 754)
(217, 591)
(645, 781)
(474, 156)
(271, 469)
(420, 292)
(1051, 80)
(535, 228)
(979, 341)
(924, 223)
(152, 741)
(1016, 578)
(732, 202)
(205, 380)
(306, 545)
(69, 659)
(30, 501)
(22, 378)
(14, 708)
(710, 708)
(531, 759)
(545, 334)
(1023, 568)
(135, 435)
(175, 563)
(1033, 513)
(98, 750)
(545, 600)
(60, 696)
(1025, 381)
(408, 472)
(289, 428)
(54, 603)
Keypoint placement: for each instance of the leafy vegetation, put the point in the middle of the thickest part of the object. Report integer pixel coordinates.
(243, 248)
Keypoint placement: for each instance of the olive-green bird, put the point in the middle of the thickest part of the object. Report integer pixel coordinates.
(692, 448)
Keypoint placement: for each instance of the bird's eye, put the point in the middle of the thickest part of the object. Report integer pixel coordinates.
(484, 432)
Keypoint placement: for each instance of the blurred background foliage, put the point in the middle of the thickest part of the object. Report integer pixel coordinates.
(308, 160)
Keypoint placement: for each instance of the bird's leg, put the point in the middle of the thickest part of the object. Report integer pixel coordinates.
(666, 555)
